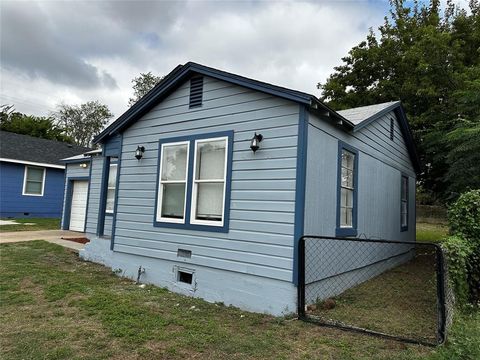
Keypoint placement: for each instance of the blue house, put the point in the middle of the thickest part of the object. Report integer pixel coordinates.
(207, 183)
(32, 176)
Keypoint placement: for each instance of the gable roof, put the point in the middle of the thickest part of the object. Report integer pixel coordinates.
(364, 115)
(27, 149)
(359, 116)
(182, 72)
(350, 120)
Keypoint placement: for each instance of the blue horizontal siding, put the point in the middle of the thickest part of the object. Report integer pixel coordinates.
(260, 236)
(14, 204)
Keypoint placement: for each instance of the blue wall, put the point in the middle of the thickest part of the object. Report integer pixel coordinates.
(14, 204)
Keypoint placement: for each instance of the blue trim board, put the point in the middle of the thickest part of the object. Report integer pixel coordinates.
(404, 176)
(103, 196)
(77, 161)
(88, 195)
(350, 231)
(115, 205)
(301, 171)
(68, 200)
(191, 139)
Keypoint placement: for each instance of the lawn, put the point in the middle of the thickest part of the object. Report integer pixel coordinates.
(431, 232)
(39, 224)
(55, 306)
(401, 301)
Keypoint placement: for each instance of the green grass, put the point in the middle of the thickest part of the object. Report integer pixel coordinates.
(401, 301)
(431, 232)
(55, 306)
(40, 224)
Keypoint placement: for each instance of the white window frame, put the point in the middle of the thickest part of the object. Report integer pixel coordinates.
(111, 188)
(352, 189)
(24, 190)
(158, 215)
(195, 183)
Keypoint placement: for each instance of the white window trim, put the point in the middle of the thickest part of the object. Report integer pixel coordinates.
(352, 189)
(111, 188)
(158, 215)
(24, 190)
(194, 221)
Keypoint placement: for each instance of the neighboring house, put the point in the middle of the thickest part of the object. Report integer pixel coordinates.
(31, 175)
(179, 197)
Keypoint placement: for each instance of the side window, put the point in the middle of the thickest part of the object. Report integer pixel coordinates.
(173, 182)
(209, 181)
(404, 204)
(347, 191)
(33, 181)
(111, 185)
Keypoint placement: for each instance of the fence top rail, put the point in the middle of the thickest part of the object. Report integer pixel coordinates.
(379, 240)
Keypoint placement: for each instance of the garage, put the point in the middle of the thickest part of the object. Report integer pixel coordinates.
(78, 208)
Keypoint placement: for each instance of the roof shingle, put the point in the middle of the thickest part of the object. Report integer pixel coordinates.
(28, 148)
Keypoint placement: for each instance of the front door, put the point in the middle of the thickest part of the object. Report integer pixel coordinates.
(79, 206)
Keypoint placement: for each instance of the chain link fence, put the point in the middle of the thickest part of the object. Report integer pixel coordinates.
(387, 288)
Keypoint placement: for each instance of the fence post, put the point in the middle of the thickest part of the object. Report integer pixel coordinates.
(301, 278)
(442, 310)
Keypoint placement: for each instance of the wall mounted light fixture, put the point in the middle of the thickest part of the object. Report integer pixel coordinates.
(83, 165)
(139, 152)
(255, 143)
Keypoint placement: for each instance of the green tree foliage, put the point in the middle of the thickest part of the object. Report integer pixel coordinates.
(82, 122)
(463, 249)
(142, 85)
(41, 127)
(431, 62)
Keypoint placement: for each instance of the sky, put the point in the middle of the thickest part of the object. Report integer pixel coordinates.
(77, 51)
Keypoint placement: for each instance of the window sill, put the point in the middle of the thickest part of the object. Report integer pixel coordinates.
(345, 232)
(171, 225)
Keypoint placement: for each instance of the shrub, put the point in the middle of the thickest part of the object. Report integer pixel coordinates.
(458, 251)
(463, 247)
(464, 216)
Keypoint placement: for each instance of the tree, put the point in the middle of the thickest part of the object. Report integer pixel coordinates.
(82, 122)
(142, 85)
(426, 60)
(41, 127)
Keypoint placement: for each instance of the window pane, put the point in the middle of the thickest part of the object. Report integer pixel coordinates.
(34, 174)
(33, 187)
(348, 159)
(209, 201)
(173, 200)
(112, 176)
(210, 160)
(110, 200)
(347, 177)
(174, 162)
(404, 188)
(343, 216)
(404, 219)
(349, 217)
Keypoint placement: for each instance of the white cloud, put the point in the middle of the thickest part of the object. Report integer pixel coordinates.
(293, 44)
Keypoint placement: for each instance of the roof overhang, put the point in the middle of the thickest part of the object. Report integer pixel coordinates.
(24, 162)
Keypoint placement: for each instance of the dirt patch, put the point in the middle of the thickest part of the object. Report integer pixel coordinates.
(81, 240)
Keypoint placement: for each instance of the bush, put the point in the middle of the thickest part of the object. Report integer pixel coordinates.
(464, 216)
(458, 251)
(463, 247)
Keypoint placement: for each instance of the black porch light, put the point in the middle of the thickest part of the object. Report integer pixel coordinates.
(139, 152)
(255, 143)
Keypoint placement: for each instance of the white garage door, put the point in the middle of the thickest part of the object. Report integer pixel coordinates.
(79, 205)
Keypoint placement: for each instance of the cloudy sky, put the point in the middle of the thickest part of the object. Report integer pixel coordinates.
(77, 51)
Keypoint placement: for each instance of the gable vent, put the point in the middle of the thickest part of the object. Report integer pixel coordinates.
(196, 92)
(392, 129)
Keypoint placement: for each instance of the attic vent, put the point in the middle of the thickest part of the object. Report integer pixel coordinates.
(196, 92)
(392, 128)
